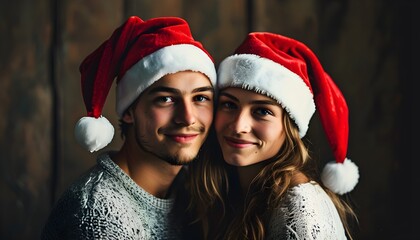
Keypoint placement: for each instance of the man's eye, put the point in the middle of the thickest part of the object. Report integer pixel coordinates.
(201, 98)
(164, 99)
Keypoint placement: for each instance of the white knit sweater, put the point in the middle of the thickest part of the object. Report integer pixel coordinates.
(307, 213)
(107, 204)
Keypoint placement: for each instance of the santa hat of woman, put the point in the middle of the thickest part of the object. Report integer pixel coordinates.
(289, 72)
(137, 54)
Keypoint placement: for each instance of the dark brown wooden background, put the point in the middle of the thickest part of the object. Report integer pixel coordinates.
(365, 45)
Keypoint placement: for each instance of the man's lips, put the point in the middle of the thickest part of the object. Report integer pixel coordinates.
(238, 143)
(183, 138)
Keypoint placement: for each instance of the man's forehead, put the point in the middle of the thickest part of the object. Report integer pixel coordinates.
(181, 82)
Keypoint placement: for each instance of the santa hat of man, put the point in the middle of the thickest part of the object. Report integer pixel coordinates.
(289, 72)
(137, 54)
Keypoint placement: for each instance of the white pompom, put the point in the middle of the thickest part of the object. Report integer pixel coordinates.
(340, 177)
(94, 133)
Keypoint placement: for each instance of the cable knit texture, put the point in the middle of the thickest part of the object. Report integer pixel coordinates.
(307, 213)
(107, 204)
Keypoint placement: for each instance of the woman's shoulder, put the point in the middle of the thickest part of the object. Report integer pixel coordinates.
(310, 196)
(306, 210)
(306, 188)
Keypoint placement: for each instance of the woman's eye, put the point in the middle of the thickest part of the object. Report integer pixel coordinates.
(227, 105)
(263, 112)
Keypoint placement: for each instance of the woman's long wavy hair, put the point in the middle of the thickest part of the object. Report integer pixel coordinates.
(213, 190)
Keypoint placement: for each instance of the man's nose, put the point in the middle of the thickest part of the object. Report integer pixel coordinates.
(185, 113)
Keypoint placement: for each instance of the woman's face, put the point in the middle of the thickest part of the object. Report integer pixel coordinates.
(249, 126)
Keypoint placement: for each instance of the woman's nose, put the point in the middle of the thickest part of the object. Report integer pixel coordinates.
(241, 123)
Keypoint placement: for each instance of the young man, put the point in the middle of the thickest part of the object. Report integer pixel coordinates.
(165, 93)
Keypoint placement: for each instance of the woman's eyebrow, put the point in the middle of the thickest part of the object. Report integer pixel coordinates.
(270, 102)
(229, 96)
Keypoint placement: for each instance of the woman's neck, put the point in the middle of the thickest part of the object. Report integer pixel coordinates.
(247, 174)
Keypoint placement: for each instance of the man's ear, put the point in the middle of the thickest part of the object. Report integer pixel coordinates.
(128, 116)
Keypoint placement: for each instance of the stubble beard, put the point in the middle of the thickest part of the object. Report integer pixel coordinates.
(171, 159)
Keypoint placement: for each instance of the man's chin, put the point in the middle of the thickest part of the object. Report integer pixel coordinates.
(179, 160)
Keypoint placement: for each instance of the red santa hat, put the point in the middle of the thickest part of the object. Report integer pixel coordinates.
(137, 54)
(289, 72)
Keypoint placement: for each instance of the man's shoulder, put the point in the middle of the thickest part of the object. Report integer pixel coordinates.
(95, 185)
(95, 203)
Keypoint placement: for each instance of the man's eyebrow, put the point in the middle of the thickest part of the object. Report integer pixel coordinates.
(203, 89)
(177, 91)
(164, 89)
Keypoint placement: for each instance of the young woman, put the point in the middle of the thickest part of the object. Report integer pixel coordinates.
(262, 184)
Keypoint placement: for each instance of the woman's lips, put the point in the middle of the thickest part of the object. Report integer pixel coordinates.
(238, 143)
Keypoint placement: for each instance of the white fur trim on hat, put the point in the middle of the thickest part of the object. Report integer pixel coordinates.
(340, 177)
(167, 60)
(267, 77)
(93, 133)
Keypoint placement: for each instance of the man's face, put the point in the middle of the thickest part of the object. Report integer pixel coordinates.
(172, 117)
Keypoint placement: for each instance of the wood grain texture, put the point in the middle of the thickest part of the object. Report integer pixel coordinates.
(364, 45)
(25, 127)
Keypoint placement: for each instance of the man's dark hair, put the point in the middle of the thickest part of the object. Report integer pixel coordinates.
(123, 128)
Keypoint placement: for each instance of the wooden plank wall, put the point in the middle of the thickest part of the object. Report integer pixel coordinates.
(364, 45)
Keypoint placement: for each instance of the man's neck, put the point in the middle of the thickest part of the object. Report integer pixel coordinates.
(151, 173)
